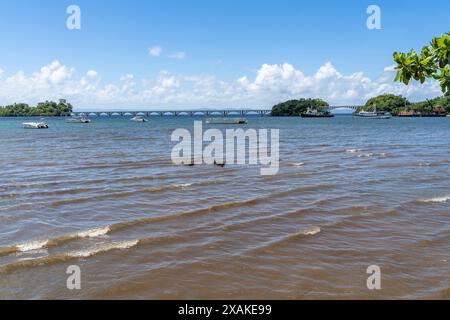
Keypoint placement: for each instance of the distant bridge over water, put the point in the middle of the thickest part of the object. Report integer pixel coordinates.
(354, 108)
(191, 113)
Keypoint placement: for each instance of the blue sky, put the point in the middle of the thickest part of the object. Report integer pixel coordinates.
(220, 41)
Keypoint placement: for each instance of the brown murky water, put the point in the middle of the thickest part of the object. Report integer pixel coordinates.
(350, 193)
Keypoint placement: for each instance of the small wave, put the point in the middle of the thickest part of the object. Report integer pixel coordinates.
(33, 245)
(437, 200)
(309, 232)
(45, 244)
(290, 237)
(125, 194)
(272, 217)
(93, 233)
(297, 164)
(366, 155)
(183, 186)
(49, 193)
(354, 150)
(312, 232)
(433, 164)
(216, 208)
(97, 232)
(86, 253)
(125, 164)
(101, 249)
(425, 164)
(372, 154)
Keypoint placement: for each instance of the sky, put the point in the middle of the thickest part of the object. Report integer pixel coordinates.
(178, 54)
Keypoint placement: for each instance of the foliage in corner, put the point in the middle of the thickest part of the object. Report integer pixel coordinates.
(432, 62)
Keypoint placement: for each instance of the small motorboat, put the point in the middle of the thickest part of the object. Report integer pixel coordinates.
(138, 119)
(78, 120)
(226, 121)
(35, 125)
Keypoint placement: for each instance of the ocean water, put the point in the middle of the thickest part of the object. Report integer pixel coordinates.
(105, 196)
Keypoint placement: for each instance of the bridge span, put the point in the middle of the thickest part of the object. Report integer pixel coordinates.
(191, 113)
(354, 108)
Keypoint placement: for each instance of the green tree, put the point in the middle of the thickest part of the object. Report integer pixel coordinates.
(386, 102)
(432, 62)
(293, 108)
(43, 109)
(430, 105)
(444, 103)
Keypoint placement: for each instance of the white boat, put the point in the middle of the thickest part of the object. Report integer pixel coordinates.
(78, 120)
(35, 125)
(138, 119)
(374, 114)
(314, 113)
(226, 121)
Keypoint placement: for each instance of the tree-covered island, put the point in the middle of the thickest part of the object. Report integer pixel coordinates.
(43, 109)
(400, 106)
(294, 108)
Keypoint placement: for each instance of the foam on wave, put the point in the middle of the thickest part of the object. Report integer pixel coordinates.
(437, 200)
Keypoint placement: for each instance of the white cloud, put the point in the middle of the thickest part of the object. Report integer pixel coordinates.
(155, 51)
(271, 84)
(178, 55)
(127, 77)
(92, 73)
(53, 73)
(327, 71)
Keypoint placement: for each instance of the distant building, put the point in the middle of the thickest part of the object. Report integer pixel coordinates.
(439, 111)
(408, 113)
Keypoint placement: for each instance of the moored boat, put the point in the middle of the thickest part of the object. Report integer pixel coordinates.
(138, 119)
(314, 113)
(226, 121)
(78, 120)
(373, 114)
(35, 125)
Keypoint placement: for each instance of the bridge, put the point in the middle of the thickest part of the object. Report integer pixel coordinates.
(354, 108)
(190, 113)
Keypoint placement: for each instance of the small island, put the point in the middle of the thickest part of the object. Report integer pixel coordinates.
(43, 109)
(296, 108)
(400, 106)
